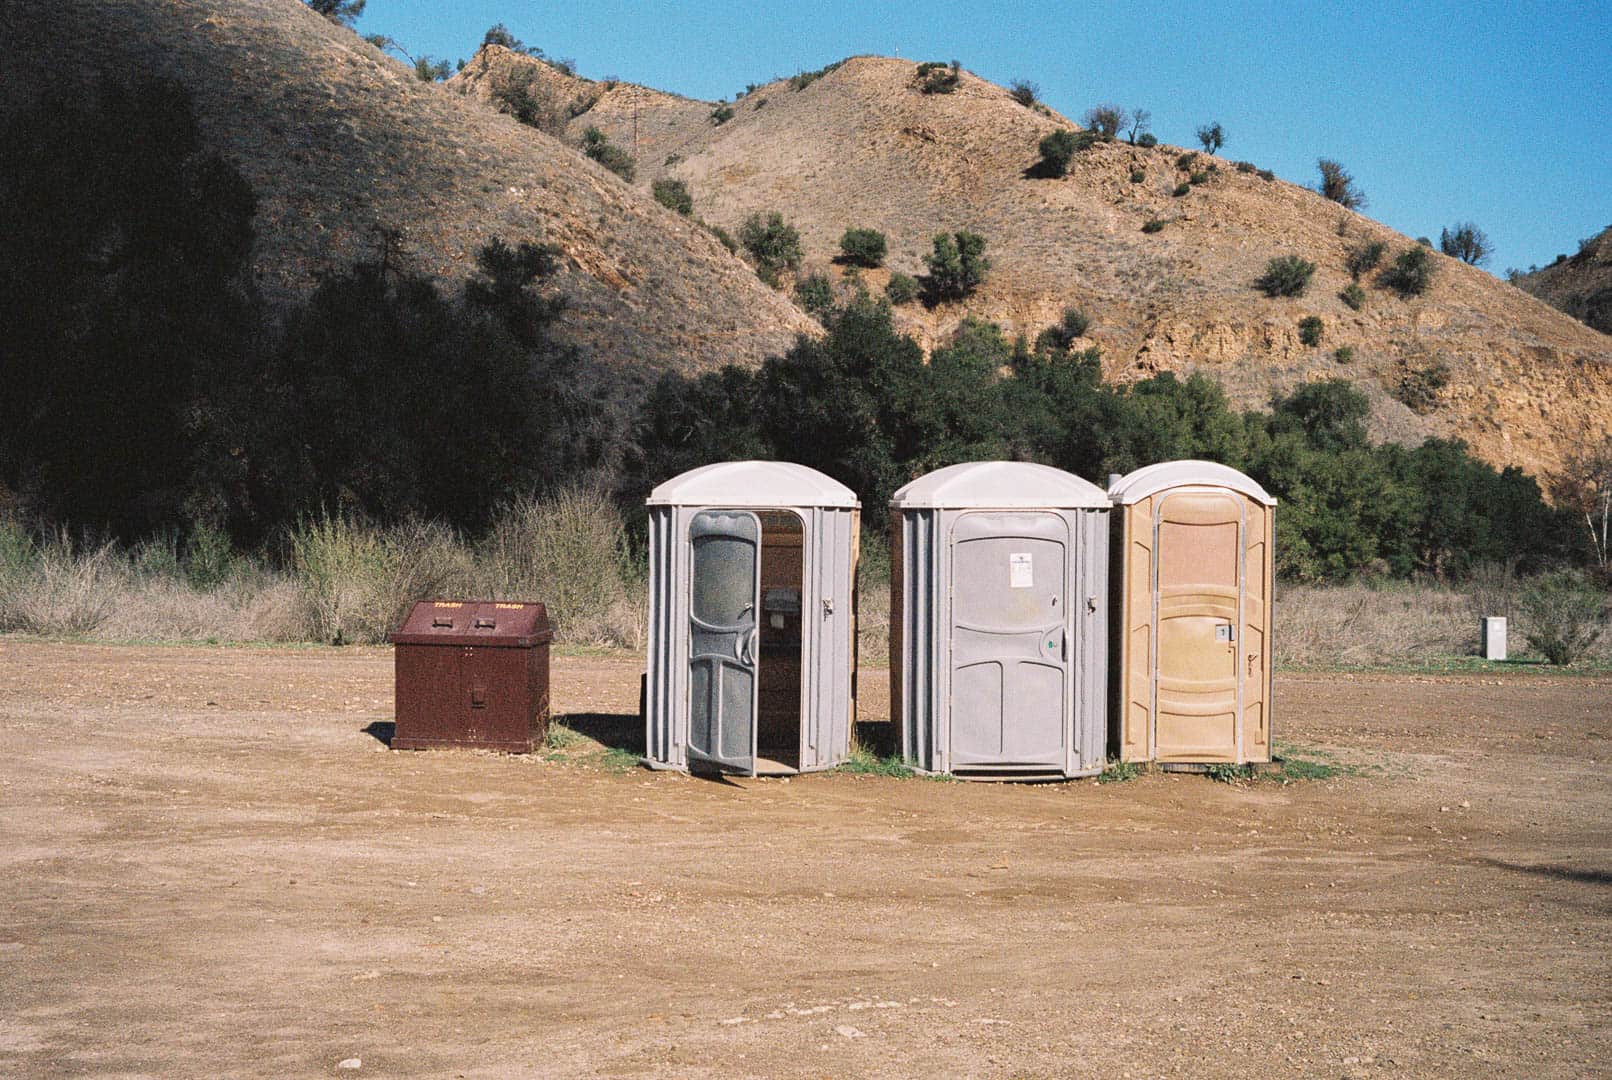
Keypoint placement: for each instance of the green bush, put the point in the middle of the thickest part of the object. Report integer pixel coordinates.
(1411, 273)
(1344, 354)
(1057, 151)
(863, 247)
(1246, 167)
(957, 266)
(1286, 275)
(358, 580)
(1563, 615)
(1138, 175)
(772, 243)
(1153, 225)
(1266, 174)
(608, 154)
(1339, 186)
(1181, 189)
(1364, 257)
(901, 289)
(721, 114)
(805, 78)
(934, 77)
(815, 293)
(1419, 388)
(1147, 140)
(1311, 328)
(1104, 120)
(674, 195)
(1023, 91)
(1212, 137)
(1187, 160)
(1061, 338)
(1198, 177)
(1466, 242)
(723, 237)
(1354, 296)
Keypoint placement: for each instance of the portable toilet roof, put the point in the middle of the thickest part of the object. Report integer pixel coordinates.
(1152, 479)
(753, 484)
(999, 485)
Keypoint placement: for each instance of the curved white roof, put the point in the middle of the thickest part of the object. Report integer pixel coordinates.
(999, 485)
(752, 483)
(1151, 479)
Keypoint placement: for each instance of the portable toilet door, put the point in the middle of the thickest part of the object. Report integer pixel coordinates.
(752, 620)
(1192, 615)
(998, 597)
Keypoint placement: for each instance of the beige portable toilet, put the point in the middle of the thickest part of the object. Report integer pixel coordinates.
(752, 620)
(1192, 577)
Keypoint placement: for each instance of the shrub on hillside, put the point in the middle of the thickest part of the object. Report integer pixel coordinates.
(1418, 389)
(1246, 167)
(723, 237)
(814, 293)
(772, 243)
(1181, 189)
(598, 147)
(721, 114)
(1354, 296)
(1364, 257)
(1188, 161)
(519, 93)
(1153, 225)
(934, 77)
(1138, 175)
(1062, 336)
(1344, 354)
(1057, 151)
(1563, 615)
(1105, 120)
(1198, 177)
(1466, 242)
(1339, 186)
(1286, 275)
(1311, 329)
(863, 247)
(1266, 174)
(1025, 92)
(957, 266)
(1147, 140)
(674, 195)
(901, 289)
(1212, 137)
(1411, 273)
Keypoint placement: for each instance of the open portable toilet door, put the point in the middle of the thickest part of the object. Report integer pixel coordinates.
(751, 645)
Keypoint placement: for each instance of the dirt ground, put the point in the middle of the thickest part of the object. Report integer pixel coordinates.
(212, 865)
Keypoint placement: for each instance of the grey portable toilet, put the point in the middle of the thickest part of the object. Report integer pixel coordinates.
(998, 621)
(752, 620)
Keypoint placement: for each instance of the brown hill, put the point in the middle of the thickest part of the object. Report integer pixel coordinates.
(1581, 284)
(340, 142)
(862, 146)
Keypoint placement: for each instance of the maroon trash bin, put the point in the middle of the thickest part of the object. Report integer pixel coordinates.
(472, 673)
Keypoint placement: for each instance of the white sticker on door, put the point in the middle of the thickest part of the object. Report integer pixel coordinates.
(1021, 574)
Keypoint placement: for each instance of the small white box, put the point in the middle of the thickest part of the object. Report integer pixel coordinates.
(1494, 637)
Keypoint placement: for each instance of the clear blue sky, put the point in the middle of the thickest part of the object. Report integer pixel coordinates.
(1497, 113)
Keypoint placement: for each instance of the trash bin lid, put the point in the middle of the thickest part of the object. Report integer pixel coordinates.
(489, 623)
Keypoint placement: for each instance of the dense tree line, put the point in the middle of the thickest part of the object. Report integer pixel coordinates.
(864, 405)
(146, 385)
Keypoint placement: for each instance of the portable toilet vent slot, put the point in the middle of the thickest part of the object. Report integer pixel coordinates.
(752, 626)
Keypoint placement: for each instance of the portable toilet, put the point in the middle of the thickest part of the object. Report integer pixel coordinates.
(1192, 615)
(752, 620)
(998, 621)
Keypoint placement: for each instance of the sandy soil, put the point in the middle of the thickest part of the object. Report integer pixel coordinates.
(211, 867)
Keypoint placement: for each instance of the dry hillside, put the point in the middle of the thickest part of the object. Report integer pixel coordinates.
(341, 142)
(861, 146)
(1581, 284)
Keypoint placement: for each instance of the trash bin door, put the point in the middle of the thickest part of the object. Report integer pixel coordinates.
(1010, 640)
(1197, 593)
(725, 595)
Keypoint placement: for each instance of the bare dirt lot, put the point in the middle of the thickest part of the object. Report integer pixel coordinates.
(213, 866)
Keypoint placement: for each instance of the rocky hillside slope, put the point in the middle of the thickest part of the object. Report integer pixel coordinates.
(1580, 284)
(862, 146)
(341, 142)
